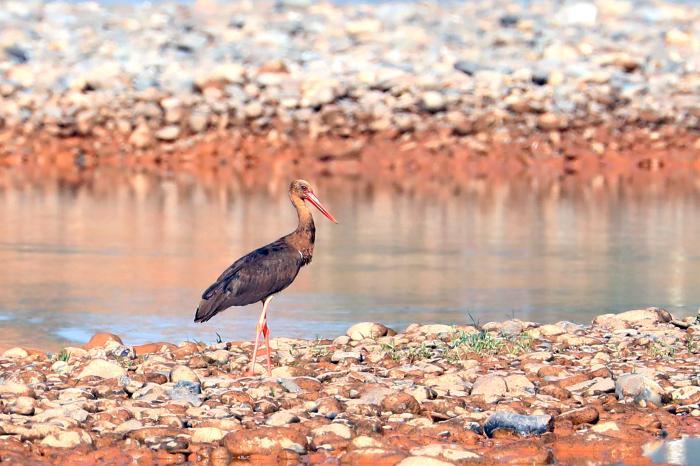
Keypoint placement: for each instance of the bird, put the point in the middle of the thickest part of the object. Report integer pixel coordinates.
(260, 274)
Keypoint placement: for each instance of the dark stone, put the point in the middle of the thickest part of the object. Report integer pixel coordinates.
(519, 424)
(540, 77)
(508, 21)
(467, 67)
(16, 54)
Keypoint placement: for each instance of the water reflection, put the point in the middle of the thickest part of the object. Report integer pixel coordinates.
(682, 451)
(130, 253)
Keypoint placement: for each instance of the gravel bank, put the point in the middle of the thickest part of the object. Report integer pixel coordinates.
(580, 83)
(430, 395)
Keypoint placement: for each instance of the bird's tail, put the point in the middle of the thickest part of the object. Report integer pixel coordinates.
(208, 308)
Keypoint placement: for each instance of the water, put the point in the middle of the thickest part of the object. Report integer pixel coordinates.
(685, 451)
(131, 254)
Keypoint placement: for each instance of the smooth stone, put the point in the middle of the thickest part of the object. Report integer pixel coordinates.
(102, 368)
(491, 387)
(68, 439)
(519, 424)
(282, 418)
(183, 373)
(364, 330)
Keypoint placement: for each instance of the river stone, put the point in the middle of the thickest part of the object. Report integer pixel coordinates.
(338, 356)
(366, 330)
(15, 353)
(449, 452)
(436, 329)
(519, 385)
(16, 389)
(207, 434)
(399, 403)
(23, 405)
(585, 415)
(519, 424)
(265, 441)
(282, 418)
(102, 368)
(341, 430)
(491, 387)
(141, 137)
(186, 391)
(68, 439)
(183, 373)
(640, 317)
(433, 101)
(168, 133)
(641, 388)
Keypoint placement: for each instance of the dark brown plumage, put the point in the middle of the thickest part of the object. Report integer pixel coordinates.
(267, 270)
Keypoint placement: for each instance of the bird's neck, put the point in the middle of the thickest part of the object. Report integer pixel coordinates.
(304, 236)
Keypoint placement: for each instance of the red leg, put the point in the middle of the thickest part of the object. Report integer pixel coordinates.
(255, 350)
(260, 329)
(266, 332)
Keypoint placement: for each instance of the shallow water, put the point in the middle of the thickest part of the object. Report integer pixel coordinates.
(685, 451)
(131, 254)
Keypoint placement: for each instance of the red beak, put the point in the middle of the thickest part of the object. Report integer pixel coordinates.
(314, 200)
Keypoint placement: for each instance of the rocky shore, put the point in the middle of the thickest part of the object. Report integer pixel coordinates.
(432, 90)
(508, 392)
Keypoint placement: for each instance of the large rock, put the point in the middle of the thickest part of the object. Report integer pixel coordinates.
(366, 330)
(99, 340)
(399, 403)
(68, 439)
(16, 389)
(641, 388)
(491, 387)
(282, 418)
(341, 430)
(15, 353)
(448, 452)
(519, 424)
(207, 434)
(102, 368)
(436, 329)
(180, 373)
(265, 441)
(372, 456)
(636, 318)
(519, 385)
(585, 415)
(23, 405)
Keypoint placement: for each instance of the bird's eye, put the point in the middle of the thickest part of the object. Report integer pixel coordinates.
(304, 188)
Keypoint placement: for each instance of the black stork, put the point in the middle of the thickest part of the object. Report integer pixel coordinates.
(268, 270)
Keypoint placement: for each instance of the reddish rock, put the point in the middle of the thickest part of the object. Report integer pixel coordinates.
(573, 380)
(587, 415)
(157, 347)
(401, 403)
(265, 441)
(555, 391)
(98, 340)
(372, 457)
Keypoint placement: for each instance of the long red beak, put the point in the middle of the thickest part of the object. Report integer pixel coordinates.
(314, 200)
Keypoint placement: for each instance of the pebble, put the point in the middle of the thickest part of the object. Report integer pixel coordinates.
(183, 373)
(366, 330)
(281, 418)
(102, 368)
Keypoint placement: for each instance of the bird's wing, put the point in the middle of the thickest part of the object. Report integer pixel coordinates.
(251, 278)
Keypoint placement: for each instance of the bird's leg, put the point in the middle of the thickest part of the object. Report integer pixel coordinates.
(261, 330)
(266, 332)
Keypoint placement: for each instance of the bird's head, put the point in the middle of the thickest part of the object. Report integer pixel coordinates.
(303, 190)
